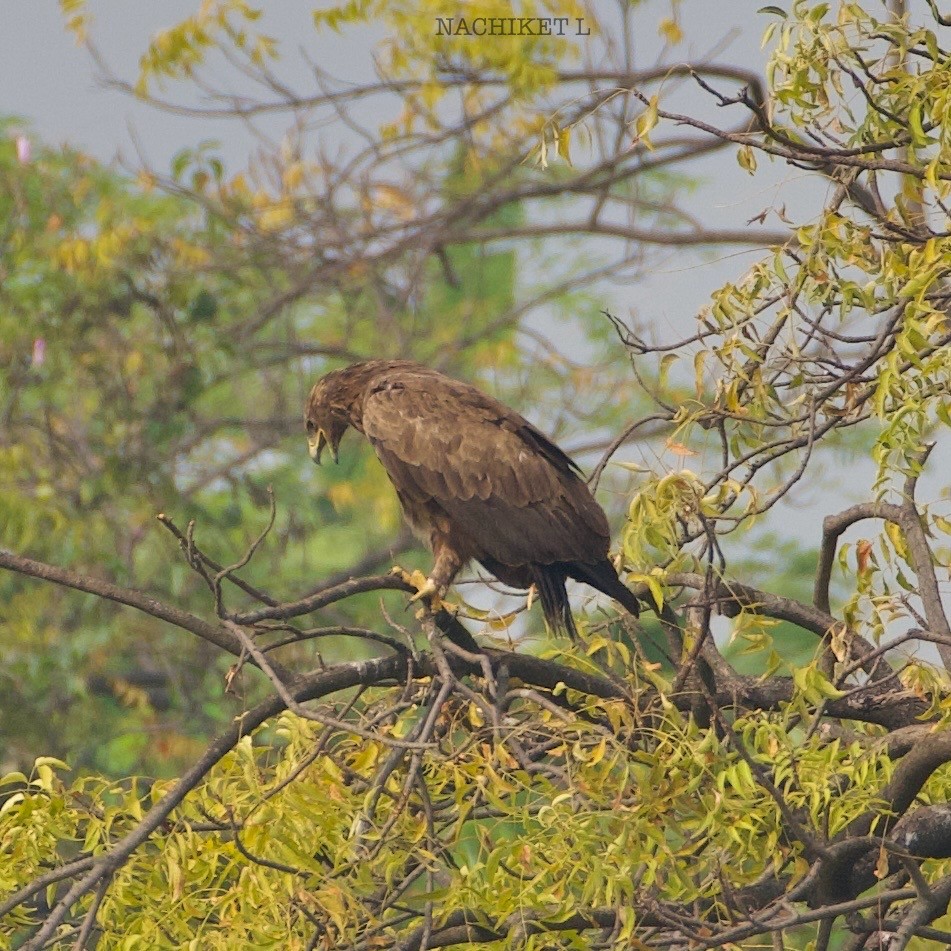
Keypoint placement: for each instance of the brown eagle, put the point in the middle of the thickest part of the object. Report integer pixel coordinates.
(475, 480)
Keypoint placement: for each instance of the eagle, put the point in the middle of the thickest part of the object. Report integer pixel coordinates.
(476, 481)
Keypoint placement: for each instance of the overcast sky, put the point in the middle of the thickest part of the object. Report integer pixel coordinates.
(46, 78)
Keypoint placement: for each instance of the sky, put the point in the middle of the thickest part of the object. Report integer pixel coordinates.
(47, 78)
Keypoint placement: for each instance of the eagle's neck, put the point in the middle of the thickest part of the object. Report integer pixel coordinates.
(355, 412)
(360, 377)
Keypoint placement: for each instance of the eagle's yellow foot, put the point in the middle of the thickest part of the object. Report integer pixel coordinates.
(430, 593)
(415, 579)
(426, 590)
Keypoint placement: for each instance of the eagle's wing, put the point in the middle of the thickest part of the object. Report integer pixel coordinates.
(501, 483)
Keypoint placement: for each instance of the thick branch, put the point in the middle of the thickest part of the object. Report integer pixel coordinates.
(128, 596)
(659, 236)
(845, 873)
(907, 518)
(314, 602)
(731, 596)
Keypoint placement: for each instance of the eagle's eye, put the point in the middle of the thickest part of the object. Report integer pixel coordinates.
(310, 427)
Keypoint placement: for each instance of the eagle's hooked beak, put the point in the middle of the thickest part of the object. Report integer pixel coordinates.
(316, 445)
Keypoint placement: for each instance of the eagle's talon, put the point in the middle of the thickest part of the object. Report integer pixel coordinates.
(400, 572)
(415, 578)
(424, 589)
(429, 593)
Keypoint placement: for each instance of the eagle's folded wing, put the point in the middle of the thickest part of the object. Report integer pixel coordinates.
(511, 492)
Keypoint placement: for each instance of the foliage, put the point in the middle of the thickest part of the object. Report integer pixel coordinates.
(649, 786)
(251, 857)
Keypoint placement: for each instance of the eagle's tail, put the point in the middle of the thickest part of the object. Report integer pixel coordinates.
(602, 576)
(549, 580)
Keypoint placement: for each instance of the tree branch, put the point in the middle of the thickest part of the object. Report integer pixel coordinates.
(212, 633)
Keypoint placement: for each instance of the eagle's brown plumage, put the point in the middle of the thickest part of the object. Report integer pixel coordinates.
(475, 480)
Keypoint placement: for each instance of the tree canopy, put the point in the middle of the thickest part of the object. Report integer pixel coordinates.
(220, 725)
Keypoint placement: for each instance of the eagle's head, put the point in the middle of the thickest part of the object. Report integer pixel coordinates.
(336, 402)
(327, 414)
